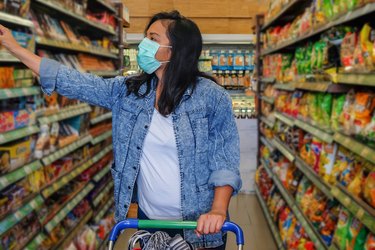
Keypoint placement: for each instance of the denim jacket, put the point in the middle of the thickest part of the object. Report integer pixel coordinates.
(206, 137)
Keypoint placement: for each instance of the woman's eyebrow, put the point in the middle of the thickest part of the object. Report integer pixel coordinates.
(153, 33)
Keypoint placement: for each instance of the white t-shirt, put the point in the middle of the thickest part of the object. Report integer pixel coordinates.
(159, 181)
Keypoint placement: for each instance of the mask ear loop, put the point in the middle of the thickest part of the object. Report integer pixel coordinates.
(165, 46)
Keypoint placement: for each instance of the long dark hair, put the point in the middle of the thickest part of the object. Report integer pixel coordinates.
(182, 71)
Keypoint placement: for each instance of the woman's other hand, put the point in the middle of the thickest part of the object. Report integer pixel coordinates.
(7, 40)
(210, 223)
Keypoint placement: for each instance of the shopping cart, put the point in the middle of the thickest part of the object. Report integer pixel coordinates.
(159, 224)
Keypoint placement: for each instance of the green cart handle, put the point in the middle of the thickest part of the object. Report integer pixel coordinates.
(162, 224)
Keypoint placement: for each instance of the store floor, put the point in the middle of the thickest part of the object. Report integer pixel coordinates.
(245, 211)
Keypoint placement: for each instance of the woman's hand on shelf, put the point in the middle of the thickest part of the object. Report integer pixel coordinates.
(7, 39)
(27, 57)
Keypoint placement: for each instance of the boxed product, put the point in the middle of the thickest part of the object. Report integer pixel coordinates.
(239, 60)
(57, 169)
(15, 154)
(16, 7)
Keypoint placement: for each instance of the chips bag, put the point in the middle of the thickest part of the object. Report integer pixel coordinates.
(342, 229)
(370, 242)
(354, 231)
(369, 189)
(337, 108)
(363, 108)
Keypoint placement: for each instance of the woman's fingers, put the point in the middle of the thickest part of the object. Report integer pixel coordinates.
(209, 224)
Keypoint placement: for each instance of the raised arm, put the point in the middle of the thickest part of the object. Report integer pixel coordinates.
(66, 81)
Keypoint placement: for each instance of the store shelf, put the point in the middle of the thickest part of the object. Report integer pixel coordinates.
(270, 222)
(18, 174)
(68, 207)
(18, 134)
(100, 197)
(21, 213)
(357, 79)
(282, 13)
(36, 242)
(66, 150)
(267, 121)
(102, 211)
(62, 181)
(267, 167)
(350, 16)
(75, 47)
(15, 20)
(357, 207)
(55, 6)
(285, 86)
(101, 118)
(102, 173)
(322, 135)
(18, 92)
(267, 143)
(74, 232)
(8, 58)
(313, 177)
(267, 99)
(356, 147)
(104, 73)
(102, 153)
(268, 80)
(66, 113)
(101, 137)
(285, 119)
(283, 149)
(311, 232)
(323, 87)
(107, 5)
(50, 190)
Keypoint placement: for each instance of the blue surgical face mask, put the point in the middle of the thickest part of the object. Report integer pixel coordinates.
(146, 55)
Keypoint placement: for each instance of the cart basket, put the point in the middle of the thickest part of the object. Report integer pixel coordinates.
(162, 224)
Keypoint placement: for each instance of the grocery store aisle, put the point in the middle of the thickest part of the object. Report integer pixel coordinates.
(245, 211)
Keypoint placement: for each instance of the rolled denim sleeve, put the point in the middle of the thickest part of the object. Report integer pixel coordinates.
(224, 147)
(82, 86)
(48, 75)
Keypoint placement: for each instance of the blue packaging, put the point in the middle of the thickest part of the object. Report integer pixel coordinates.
(239, 61)
(215, 59)
(223, 60)
(230, 56)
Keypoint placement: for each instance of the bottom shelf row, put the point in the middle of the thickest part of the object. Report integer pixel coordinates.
(303, 218)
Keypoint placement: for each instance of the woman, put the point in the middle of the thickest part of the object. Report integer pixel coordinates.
(174, 134)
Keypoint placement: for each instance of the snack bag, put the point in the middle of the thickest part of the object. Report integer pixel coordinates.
(337, 108)
(369, 189)
(348, 46)
(329, 221)
(294, 107)
(357, 232)
(314, 107)
(342, 229)
(303, 107)
(316, 148)
(366, 47)
(303, 186)
(326, 109)
(370, 242)
(348, 115)
(355, 186)
(343, 161)
(327, 160)
(316, 208)
(364, 107)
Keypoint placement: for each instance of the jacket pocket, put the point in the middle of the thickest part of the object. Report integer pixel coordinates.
(200, 129)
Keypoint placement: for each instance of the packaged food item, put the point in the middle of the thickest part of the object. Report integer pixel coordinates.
(327, 160)
(215, 59)
(316, 208)
(348, 115)
(14, 155)
(342, 230)
(239, 61)
(366, 46)
(370, 242)
(355, 186)
(307, 198)
(369, 189)
(329, 221)
(337, 108)
(348, 47)
(357, 233)
(316, 149)
(223, 60)
(364, 107)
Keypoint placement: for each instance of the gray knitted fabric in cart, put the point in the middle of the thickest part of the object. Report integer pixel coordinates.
(157, 241)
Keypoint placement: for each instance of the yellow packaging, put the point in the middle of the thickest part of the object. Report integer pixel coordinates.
(14, 155)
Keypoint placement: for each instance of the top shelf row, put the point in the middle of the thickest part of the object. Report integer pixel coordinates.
(366, 10)
(61, 10)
